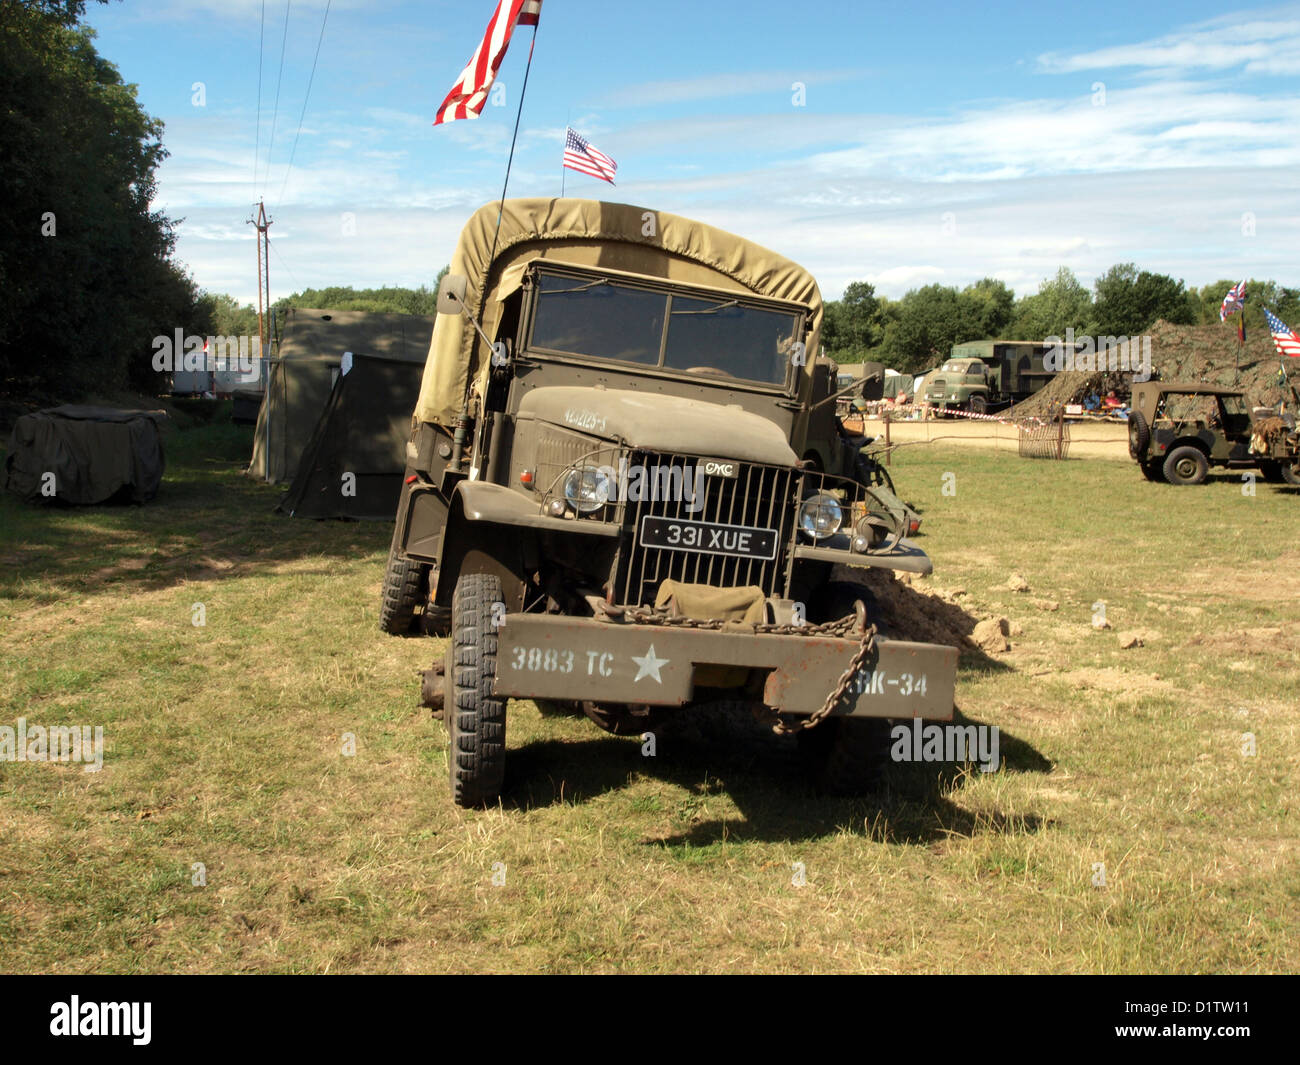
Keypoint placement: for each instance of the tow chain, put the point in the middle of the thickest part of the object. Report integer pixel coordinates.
(640, 615)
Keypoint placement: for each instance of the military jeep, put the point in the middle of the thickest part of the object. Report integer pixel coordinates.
(1177, 431)
(627, 492)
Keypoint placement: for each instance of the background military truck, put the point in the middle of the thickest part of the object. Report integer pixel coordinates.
(627, 491)
(983, 376)
(1178, 430)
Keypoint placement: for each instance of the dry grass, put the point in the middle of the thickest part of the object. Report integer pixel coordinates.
(224, 746)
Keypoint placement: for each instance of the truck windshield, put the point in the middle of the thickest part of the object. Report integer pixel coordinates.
(705, 335)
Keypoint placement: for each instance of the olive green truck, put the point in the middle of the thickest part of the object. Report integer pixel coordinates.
(627, 492)
(983, 376)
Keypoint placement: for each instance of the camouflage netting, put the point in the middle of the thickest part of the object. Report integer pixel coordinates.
(1199, 353)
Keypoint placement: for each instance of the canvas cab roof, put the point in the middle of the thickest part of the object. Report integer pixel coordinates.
(593, 234)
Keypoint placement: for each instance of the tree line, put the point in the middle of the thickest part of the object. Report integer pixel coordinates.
(915, 332)
(86, 266)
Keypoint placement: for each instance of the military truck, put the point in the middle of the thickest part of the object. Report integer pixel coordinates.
(628, 493)
(1178, 430)
(984, 376)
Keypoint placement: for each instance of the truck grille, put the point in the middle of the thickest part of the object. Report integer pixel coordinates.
(758, 496)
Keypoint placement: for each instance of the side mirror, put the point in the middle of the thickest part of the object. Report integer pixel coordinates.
(451, 294)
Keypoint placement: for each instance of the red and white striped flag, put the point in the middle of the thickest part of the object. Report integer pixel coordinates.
(470, 92)
(1284, 337)
(582, 157)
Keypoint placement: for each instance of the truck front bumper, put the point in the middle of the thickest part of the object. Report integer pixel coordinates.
(547, 657)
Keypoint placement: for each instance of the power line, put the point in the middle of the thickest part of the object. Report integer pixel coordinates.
(296, 283)
(294, 149)
(257, 136)
(275, 113)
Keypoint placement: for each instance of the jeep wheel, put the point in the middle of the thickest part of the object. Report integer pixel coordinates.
(476, 719)
(1139, 435)
(404, 584)
(1186, 465)
(1271, 471)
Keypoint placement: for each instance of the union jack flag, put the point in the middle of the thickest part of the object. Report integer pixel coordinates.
(470, 92)
(1283, 337)
(1234, 301)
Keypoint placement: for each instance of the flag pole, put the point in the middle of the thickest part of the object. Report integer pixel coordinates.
(510, 161)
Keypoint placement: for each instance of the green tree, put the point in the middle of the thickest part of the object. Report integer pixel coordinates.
(1129, 301)
(928, 323)
(1061, 303)
(86, 266)
(986, 309)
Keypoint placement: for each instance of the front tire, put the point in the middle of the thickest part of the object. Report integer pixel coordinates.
(978, 404)
(847, 755)
(404, 587)
(476, 719)
(1186, 465)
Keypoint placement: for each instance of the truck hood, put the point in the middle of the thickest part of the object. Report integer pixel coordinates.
(662, 423)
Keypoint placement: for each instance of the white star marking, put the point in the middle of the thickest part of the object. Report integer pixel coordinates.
(648, 666)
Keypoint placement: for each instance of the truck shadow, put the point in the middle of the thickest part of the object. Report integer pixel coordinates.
(719, 755)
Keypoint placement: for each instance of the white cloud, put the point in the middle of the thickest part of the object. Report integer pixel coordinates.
(1260, 45)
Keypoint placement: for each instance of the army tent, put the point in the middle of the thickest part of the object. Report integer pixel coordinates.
(352, 466)
(86, 455)
(304, 371)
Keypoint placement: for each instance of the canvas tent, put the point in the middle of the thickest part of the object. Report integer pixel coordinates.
(352, 466)
(85, 455)
(306, 366)
(588, 232)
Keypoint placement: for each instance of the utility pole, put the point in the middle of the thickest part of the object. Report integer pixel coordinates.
(263, 225)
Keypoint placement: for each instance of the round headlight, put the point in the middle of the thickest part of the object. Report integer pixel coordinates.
(586, 489)
(821, 515)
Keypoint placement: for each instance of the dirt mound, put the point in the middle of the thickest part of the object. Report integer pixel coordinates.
(912, 614)
(1206, 354)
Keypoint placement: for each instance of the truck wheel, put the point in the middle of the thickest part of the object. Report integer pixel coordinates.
(404, 584)
(1186, 465)
(1139, 435)
(846, 755)
(979, 404)
(476, 719)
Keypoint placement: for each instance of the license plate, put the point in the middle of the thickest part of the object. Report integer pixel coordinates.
(708, 538)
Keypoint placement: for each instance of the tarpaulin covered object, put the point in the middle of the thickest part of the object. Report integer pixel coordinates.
(613, 236)
(86, 455)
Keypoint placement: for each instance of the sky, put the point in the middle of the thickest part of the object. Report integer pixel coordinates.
(897, 144)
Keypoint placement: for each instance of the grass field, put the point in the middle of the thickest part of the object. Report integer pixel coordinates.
(224, 745)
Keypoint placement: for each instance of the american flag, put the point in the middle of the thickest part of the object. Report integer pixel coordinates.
(582, 157)
(1233, 301)
(470, 92)
(1286, 340)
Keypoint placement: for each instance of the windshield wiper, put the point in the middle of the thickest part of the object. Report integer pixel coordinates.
(580, 288)
(712, 310)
